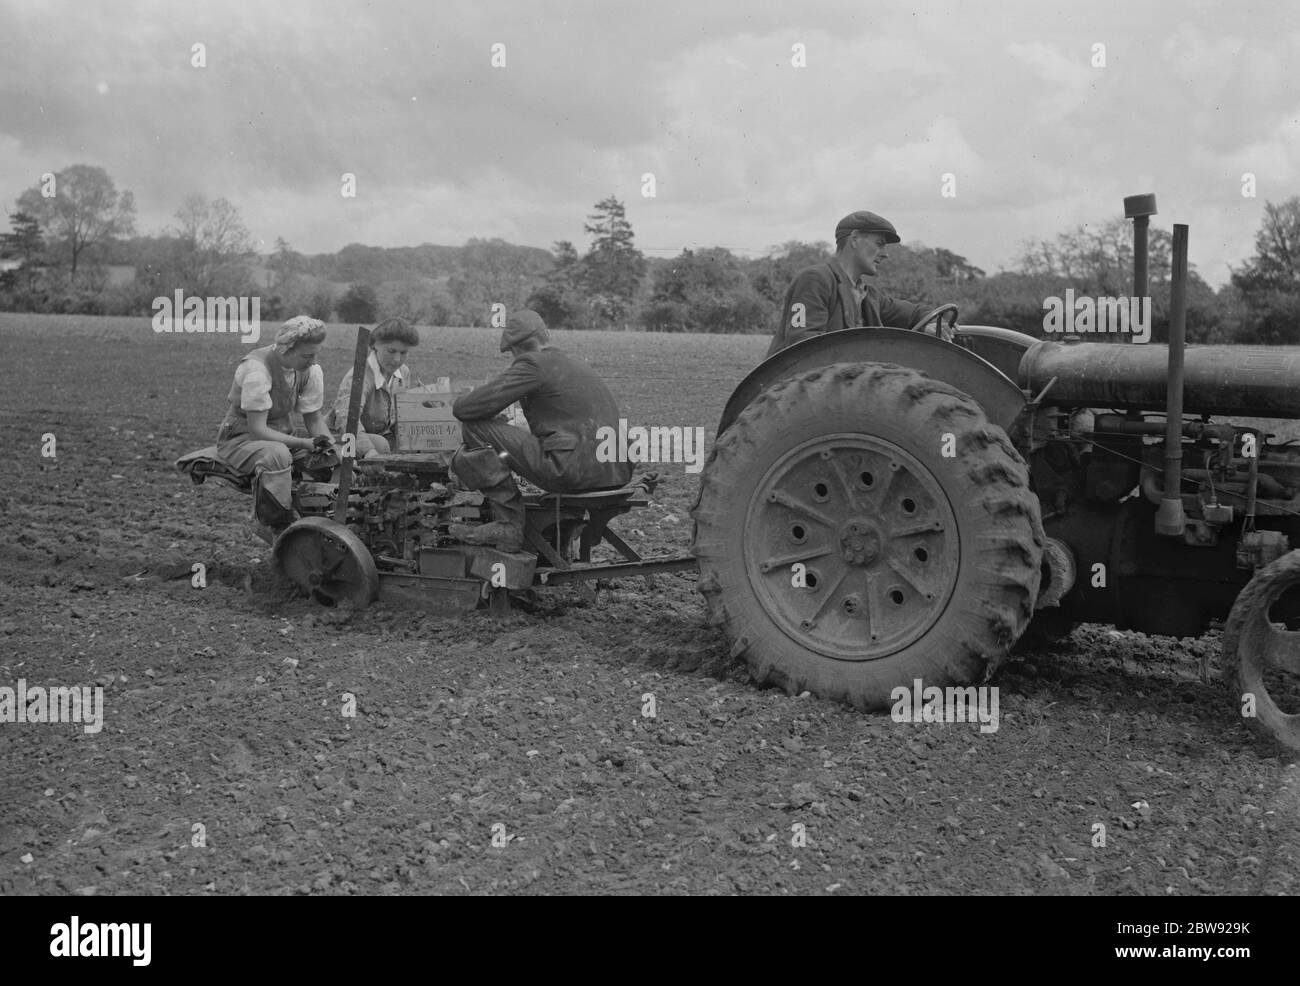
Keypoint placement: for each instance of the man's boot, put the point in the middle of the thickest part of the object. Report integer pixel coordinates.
(498, 534)
(506, 532)
(484, 470)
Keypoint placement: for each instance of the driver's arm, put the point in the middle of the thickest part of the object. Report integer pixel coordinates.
(900, 314)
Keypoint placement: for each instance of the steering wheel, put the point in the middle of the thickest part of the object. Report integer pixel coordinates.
(936, 316)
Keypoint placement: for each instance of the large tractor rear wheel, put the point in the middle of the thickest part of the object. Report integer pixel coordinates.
(861, 526)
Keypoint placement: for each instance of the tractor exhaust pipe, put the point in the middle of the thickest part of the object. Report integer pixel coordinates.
(1139, 208)
(1170, 521)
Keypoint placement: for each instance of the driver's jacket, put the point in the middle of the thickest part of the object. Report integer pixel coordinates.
(830, 303)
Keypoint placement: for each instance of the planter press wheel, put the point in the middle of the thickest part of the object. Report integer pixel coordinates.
(1261, 657)
(328, 562)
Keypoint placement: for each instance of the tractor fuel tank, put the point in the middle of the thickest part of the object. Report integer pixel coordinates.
(1250, 381)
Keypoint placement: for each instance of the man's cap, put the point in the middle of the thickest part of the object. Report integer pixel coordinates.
(521, 325)
(867, 222)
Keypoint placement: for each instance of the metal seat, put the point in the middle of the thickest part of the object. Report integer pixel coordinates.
(588, 499)
(584, 514)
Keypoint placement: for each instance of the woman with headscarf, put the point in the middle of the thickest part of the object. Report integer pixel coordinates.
(257, 435)
(386, 375)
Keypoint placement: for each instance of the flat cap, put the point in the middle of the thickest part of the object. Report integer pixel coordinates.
(868, 222)
(521, 325)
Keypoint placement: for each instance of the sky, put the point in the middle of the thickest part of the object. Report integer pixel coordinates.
(761, 122)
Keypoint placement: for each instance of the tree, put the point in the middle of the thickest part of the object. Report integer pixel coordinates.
(285, 261)
(704, 292)
(1276, 263)
(25, 245)
(559, 299)
(494, 272)
(85, 210)
(613, 267)
(948, 264)
(358, 304)
(320, 305)
(1097, 258)
(771, 275)
(212, 247)
(1268, 285)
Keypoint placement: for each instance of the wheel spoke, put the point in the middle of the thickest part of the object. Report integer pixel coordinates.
(327, 569)
(874, 605)
(906, 576)
(776, 496)
(868, 601)
(908, 532)
(785, 560)
(882, 495)
(850, 493)
(306, 551)
(827, 597)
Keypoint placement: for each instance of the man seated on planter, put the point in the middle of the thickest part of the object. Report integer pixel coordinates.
(566, 404)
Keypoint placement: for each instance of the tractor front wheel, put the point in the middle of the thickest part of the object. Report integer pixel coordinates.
(1261, 656)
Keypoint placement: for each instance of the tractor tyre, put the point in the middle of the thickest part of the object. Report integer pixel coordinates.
(861, 526)
(1261, 658)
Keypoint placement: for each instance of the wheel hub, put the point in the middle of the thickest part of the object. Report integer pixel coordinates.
(851, 543)
(859, 542)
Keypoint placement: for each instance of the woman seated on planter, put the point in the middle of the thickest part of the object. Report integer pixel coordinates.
(386, 374)
(257, 435)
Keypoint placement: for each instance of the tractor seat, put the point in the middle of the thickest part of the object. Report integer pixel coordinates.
(618, 496)
(604, 498)
(205, 462)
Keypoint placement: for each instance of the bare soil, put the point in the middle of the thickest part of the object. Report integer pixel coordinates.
(224, 704)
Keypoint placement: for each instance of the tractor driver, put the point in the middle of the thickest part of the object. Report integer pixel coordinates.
(565, 403)
(824, 297)
(257, 435)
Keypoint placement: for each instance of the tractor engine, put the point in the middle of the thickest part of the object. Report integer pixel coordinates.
(1153, 534)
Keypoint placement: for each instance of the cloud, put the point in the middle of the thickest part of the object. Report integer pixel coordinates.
(747, 149)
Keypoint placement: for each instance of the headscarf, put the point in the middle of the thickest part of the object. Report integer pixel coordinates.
(298, 329)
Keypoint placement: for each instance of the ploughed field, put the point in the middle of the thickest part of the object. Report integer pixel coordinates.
(225, 764)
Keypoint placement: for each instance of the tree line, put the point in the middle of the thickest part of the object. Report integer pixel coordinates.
(67, 239)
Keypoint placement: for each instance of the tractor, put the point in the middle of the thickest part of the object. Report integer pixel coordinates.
(883, 505)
